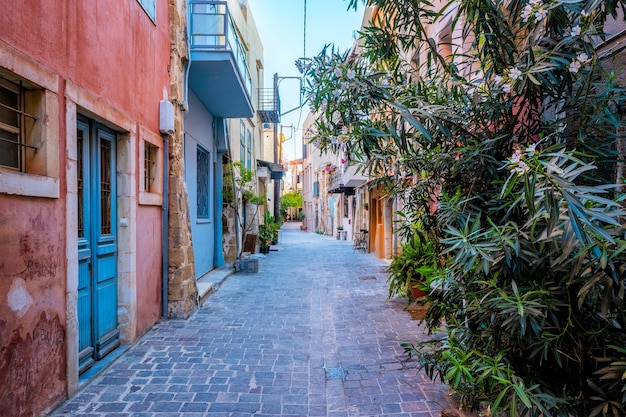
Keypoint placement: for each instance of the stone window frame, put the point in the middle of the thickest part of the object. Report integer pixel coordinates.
(41, 174)
(151, 195)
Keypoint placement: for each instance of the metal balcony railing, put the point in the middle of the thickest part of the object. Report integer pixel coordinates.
(212, 29)
(269, 105)
(336, 178)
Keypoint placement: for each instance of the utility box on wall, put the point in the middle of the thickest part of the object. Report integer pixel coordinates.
(166, 117)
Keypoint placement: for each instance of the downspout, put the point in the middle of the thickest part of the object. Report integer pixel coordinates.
(166, 201)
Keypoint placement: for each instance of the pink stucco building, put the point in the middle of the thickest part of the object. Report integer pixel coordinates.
(81, 189)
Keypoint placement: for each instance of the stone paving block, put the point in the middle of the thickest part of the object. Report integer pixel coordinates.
(267, 351)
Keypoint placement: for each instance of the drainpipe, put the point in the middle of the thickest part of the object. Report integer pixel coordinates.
(166, 201)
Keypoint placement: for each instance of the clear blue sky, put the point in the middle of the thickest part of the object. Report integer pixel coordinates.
(281, 26)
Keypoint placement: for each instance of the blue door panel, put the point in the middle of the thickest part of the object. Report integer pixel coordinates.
(85, 341)
(105, 295)
(97, 244)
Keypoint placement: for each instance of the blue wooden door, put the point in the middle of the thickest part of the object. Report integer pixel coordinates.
(98, 332)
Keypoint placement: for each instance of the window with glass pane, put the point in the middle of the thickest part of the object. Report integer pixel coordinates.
(105, 187)
(150, 167)
(249, 148)
(242, 142)
(203, 166)
(11, 107)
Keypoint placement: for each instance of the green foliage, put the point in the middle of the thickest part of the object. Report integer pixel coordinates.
(266, 235)
(239, 191)
(268, 231)
(290, 200)
(416, 262)
(502, 114)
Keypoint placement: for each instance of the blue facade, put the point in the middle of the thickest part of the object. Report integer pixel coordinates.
(201, 178)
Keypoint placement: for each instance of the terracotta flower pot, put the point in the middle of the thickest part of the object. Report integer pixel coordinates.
(418, 310)
(416, 290)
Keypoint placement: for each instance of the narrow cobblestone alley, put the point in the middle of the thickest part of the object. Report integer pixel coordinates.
(311, 334)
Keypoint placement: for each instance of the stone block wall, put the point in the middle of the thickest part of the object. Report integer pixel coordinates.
(182, 289)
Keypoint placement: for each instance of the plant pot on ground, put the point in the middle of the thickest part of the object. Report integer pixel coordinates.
(418, 308)
(265, 238)
(417, 290)
(412, 269)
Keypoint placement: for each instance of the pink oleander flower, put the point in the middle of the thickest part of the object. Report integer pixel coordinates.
(521, 168)
(527, 12)
(515, 73)
(351, 74)
(541, 14)
(506, 88)
(574, 67)
(516, 157)
(575, 31)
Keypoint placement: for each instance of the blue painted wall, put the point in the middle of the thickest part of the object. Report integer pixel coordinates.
(199, 130)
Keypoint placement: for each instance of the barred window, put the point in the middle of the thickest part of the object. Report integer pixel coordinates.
(242, 143)
(203, 175)
(151, 153)
(13, 122)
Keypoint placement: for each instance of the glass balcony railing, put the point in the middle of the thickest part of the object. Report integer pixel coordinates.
(212, 29)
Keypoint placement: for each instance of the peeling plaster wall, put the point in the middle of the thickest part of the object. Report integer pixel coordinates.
(32, 306)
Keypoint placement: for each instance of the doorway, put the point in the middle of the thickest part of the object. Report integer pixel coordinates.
(98, 332)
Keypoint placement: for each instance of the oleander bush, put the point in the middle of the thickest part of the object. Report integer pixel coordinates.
(496, 126)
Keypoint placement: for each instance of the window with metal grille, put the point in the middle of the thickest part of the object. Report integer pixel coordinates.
(106, 187)
(150, 171)
(13, 122)
(29, 148)
(203, 175)
(249, 149)
(242, 143)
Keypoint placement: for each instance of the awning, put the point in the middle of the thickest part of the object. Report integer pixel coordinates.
(347, 188)
(341, 189)
(276, 170)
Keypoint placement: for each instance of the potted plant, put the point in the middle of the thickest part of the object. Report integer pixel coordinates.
(411, 270)
(265, 238)
(366, 206)
(272, 225)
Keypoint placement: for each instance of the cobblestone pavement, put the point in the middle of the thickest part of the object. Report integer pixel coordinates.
(310, 334)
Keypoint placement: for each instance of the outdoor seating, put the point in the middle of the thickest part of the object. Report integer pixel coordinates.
(360, 241)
